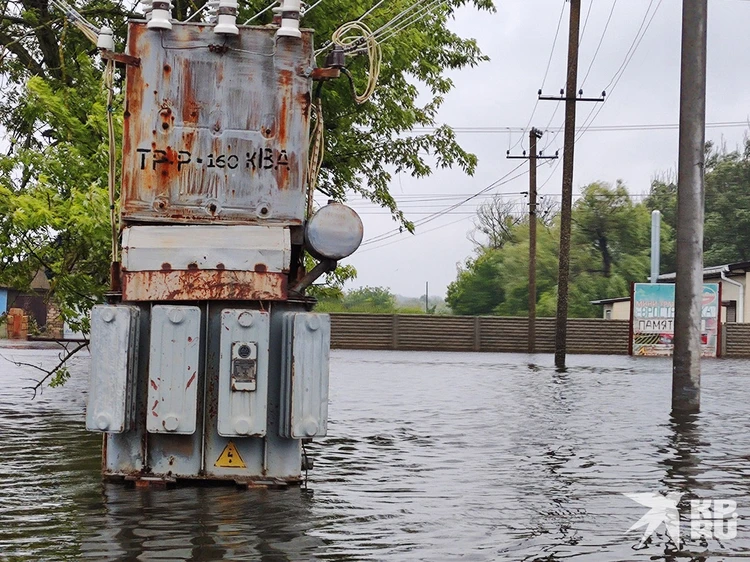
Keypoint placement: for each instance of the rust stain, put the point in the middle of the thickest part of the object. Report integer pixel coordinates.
(203, 285)
(220, 266)
(260, 268)
(191, 109)
(154, 386)
(166, 266)
(192, 266)
(190, 106)
(190, 381)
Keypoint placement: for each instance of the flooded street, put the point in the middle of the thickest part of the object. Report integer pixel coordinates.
(429, 456)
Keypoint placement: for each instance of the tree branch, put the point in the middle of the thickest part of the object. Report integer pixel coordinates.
(64, 357)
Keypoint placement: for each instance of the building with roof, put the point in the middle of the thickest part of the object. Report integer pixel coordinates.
(734, 279)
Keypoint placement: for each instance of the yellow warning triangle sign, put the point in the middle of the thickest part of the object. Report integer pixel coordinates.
(230, 458)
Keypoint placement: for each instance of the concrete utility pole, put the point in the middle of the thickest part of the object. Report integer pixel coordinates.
(686, 369)
(561, 331)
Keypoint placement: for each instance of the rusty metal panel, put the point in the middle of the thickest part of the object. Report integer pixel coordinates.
(233, 248)
(174, 361)
(194, 285)
(306, 340)
(114, 360)
(243, 373)
(216, 129)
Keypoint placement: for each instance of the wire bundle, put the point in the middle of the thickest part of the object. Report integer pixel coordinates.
(355, 35)
(317, 150)
(92, 33)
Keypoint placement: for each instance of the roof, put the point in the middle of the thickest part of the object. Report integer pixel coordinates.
(610, 301)
(40, 282)
(713, 271)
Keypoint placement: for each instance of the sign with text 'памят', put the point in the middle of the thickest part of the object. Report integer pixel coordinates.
(653, 319)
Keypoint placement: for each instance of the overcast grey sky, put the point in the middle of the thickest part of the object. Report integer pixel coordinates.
(501, 93)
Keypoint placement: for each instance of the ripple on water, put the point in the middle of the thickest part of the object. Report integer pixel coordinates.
(430, 456)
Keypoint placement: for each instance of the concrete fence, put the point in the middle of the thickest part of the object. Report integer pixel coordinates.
(736, 340)
(494, 333)
(473, 333)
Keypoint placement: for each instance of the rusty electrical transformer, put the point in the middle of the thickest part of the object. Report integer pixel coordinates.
(208, 365)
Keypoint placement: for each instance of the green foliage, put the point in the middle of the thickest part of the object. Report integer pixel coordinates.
(377, 300)
(727, 206)
(54, 203)
(610, 247)
(330, 288)
(478, 288)
(60, 377)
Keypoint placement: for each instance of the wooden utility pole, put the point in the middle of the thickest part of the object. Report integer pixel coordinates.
(561, 328)
(534, 135)
(686, 361)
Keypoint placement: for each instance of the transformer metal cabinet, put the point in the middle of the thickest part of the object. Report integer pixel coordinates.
(208, 364)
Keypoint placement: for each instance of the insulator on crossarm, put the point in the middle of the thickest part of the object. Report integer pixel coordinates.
(226, 23)
(106, 39)
(161, 15)
(289, 19)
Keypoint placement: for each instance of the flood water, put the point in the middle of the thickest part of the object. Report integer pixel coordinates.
(430, 456)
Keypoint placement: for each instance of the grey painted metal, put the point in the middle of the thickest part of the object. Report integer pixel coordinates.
(269, 458)
(243, 373)
(686, 370)
(126, 453)
(174, 362)
(114, 360)
(655, 245)
(334, 232)
(216, 128)
(306, 339)
(232, 248)
(249, 449)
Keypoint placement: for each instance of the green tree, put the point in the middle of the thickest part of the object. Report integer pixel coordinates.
(608, 223)
(53, 187)
(727, 208)
(727, 226)
(478, 288)
(364, 299)
(610, 248)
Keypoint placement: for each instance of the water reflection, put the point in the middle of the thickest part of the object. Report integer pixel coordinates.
(429, 457)
(204, 523)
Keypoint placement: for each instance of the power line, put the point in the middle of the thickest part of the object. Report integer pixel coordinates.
(412, 237)
(587, 122)
(599, 128)
(438, 214)
(585, 22)
(628, 57)
(544, 78)
(601, 39)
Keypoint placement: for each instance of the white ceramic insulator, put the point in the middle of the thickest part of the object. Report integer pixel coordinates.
(290, 19)
(106, 39)
(227, 18)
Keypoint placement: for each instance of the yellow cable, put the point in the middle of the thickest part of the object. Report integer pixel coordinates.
(352, 36)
